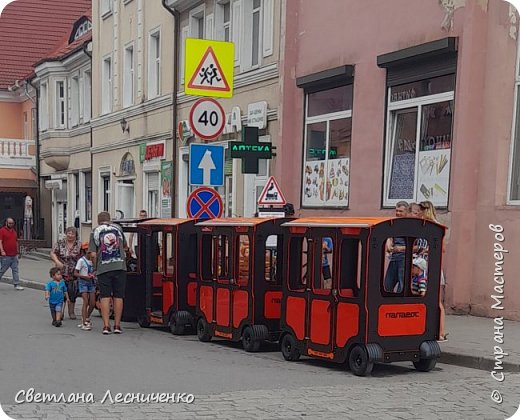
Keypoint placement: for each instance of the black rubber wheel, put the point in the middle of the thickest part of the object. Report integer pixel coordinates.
(289, 350)
(425, 365)
(203, 330)
(249, 340)
(358, 361)
(143, 321)
(177, 324)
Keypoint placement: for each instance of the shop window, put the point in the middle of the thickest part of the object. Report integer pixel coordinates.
(299, 263)
(350, 267)
(420, 107)
(328, 134)
(243, 260)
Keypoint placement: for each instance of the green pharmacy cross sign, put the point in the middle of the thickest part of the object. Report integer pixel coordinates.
(250, 150)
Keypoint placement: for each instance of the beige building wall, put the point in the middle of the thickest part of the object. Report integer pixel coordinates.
(148, 116)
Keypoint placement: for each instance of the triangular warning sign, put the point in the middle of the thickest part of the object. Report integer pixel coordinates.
(271, 194)
(208, 74)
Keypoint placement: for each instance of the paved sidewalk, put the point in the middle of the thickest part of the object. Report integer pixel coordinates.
(470, 341)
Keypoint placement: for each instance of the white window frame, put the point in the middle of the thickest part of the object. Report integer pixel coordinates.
(103, 173)
(87, 95)
(129, 76)
(106, 94)
(146, 197)
(121, 184)
(236, 29)
(184, 35)
(105, 8)
(395, 107)
(74, 101)
(514, 142)
(44, 106)
(220, 25)
(154, 63)
(196, 15)
(83, 197)
(246, 60)
(60, 108)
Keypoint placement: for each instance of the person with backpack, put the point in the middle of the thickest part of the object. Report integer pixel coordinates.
(108, 242)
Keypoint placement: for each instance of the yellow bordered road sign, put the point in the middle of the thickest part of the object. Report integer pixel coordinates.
(209, 68)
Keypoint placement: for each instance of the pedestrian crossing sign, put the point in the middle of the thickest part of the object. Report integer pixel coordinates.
(209, 68)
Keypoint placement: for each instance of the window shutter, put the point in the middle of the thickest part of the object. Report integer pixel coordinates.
(153, 181)
(237, 8)
(267, 44)
(209, 27)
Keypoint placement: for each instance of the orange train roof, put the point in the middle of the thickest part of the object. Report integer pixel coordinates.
(338, 221)
(160, 222)
(236, 221)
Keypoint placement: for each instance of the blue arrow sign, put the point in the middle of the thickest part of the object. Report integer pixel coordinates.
(206, 165)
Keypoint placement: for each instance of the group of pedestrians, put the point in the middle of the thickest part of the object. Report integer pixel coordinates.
(396, 250)
(80, 269)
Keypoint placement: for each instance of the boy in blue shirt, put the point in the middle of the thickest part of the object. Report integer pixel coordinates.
(56, 293)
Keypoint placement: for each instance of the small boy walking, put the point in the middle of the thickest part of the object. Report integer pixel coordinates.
(56, 293)
(87, 287)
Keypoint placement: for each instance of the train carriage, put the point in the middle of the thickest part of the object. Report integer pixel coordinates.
(339, 301)
(169, 250)
(240, 289)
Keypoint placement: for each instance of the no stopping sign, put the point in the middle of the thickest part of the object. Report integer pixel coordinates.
(207, 118)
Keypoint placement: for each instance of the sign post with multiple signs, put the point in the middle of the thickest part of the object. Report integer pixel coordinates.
(209, 67)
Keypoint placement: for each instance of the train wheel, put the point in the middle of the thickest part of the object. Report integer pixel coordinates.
(143, 321)
(249, 340)
(358, 361)
(425, 365)
(177, 324)
(203, 330)
(289, 350)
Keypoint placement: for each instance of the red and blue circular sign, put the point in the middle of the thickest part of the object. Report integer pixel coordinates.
(204, 203)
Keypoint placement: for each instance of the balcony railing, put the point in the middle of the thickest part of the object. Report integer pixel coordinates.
(17, 153)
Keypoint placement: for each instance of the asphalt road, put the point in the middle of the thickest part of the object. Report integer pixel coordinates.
(226, 381)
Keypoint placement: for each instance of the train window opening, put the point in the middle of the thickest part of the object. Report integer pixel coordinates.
(221, 244)
(327, 264)
(272, 261)
(169, 257)
(157, 247)
(419, 269)
(243, 260)
(206, 257)
(299, 263)
(350, 264)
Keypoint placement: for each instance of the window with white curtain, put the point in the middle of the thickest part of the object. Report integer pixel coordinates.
(75, 100)
(87, 105)
(61, 104)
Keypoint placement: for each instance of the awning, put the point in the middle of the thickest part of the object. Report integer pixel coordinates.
(17, 184)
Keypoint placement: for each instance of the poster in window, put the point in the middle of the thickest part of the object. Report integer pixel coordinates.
(326, 183)
(166, 182)
(402, 177)
(433, 178)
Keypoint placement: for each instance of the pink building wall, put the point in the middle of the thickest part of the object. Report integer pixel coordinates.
(352, 32)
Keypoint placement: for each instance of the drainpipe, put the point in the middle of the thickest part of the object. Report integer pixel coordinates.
(88, 54)
(37, 142)
(177, 20)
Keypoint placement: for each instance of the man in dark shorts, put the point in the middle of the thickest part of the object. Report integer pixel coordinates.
(109, 243)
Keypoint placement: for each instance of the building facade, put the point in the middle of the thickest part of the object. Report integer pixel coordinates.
(132, 129)
(409, 101)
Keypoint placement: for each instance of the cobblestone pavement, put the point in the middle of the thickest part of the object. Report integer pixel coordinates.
(457, 393)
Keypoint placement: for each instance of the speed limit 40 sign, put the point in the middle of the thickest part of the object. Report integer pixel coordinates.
(207, 118)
